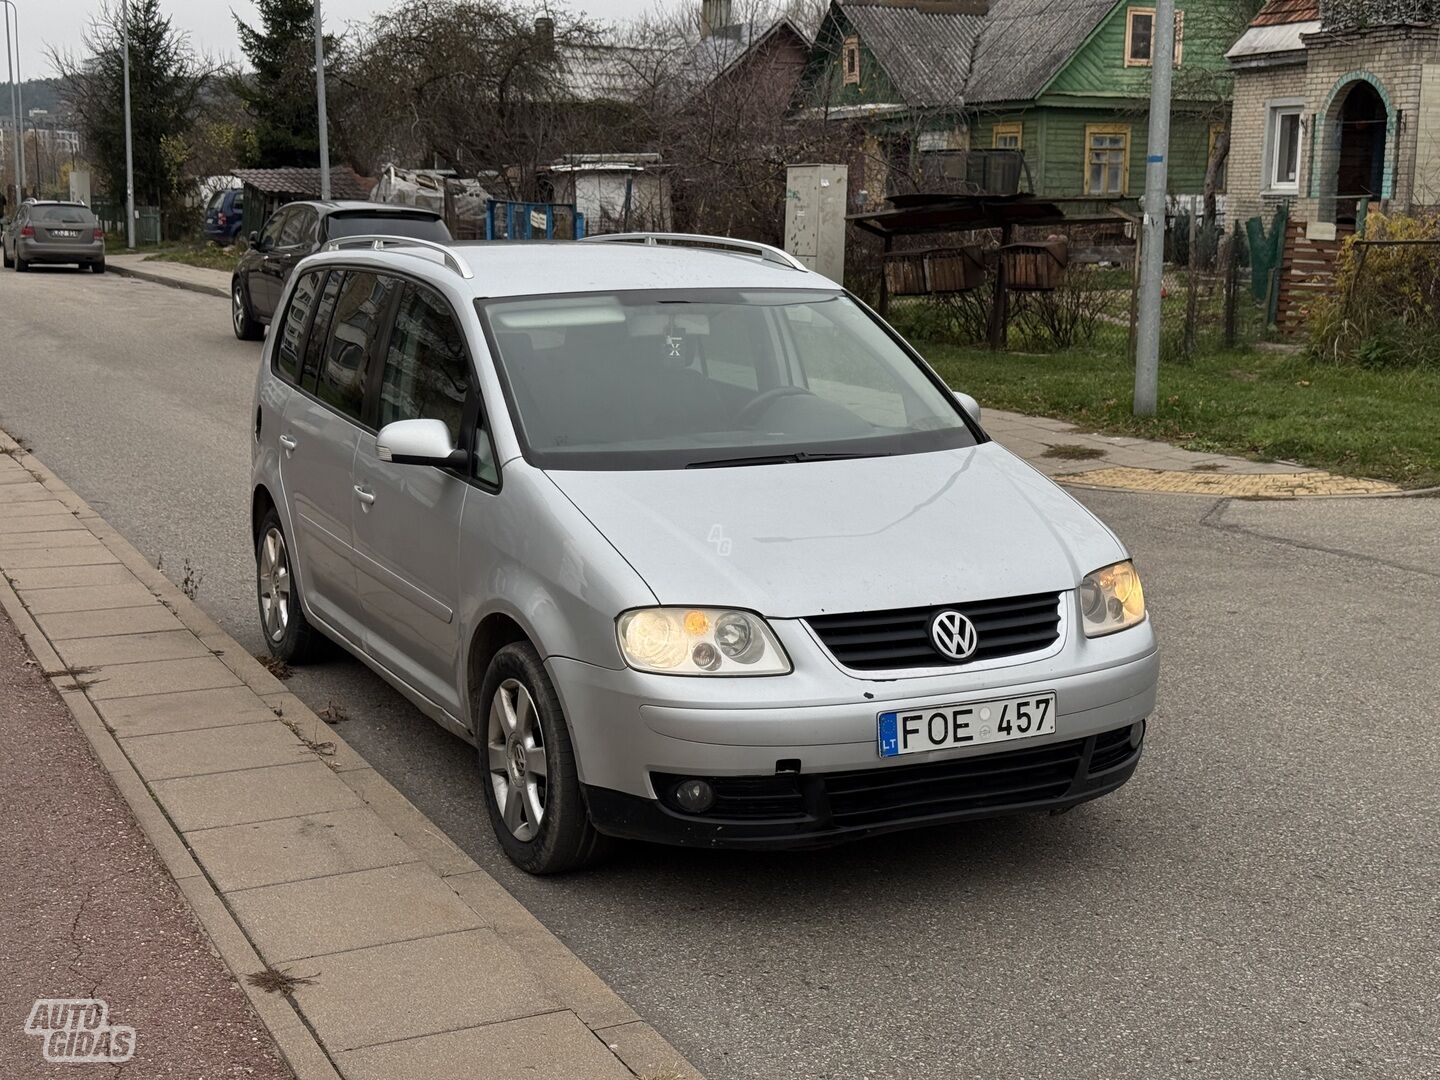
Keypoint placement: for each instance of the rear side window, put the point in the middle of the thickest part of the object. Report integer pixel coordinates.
(292, 329)
(361, 303)
(320, 330)
(427, 373)
(299, 228)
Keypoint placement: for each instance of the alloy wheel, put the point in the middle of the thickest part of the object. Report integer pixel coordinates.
(273, 581)
(237, 310)
(515, 757)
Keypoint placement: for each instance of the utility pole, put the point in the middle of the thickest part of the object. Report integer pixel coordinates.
(14, 106)
(129, 149)
(17, 99)
(320, 105)
(1152, 251)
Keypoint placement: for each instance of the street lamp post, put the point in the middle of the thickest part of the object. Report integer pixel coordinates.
(320, 106)
(129, 152)
(17, 100)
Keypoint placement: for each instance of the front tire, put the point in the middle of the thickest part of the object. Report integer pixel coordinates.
(288, 634)
(5, 252)
(241, 319)
(532, 786)
(21, 265)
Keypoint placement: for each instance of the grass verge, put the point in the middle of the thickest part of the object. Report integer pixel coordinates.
(207, 256)
(1354, 421)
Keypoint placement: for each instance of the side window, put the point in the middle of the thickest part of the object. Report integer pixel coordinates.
(271, 234)
(427, 372)
(292, 329)
(320, 330)
(294, 231)
(361, 302)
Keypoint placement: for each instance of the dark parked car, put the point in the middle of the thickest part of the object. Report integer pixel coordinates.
(225, 215)
(301, 228)
(46, 231)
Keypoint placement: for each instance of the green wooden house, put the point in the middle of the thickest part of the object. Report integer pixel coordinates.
(1066, 83)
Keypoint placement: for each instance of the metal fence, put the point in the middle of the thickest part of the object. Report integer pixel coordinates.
(148, 223)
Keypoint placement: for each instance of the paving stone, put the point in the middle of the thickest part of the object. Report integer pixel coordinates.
(132, 620)
(14, 493)
(84, 551)
(232, 798)
(161, 677)
(157, 713)
(62, 577)
(556, 1046)
(13, 525)
(88, 598)
(130, 648)
(214, 750)
(296, 848)
(34, 508)
(413, 988)
(24, 541)
(309, 918)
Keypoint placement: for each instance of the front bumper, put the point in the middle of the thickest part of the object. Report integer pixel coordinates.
(636, 733)
(796, 810)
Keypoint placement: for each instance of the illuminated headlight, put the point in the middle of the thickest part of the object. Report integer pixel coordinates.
(700, 641)
(1111, 599)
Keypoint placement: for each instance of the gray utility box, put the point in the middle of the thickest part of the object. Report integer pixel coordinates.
(815, 217)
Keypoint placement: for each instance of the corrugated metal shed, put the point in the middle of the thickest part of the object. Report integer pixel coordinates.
(926, 54)
(1025, 43)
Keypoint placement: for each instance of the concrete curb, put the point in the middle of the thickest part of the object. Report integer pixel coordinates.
(577, 1025)
(159, 277)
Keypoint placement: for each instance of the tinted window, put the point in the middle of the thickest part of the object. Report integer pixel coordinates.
(215, 201)
(292, 329)
(320, 330)
(298, 227)
(62, 215)
(239, 203)
(360, 306)
(426, 370)
(422, 228)
(271, 236)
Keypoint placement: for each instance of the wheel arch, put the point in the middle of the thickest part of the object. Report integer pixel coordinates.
(496, 630)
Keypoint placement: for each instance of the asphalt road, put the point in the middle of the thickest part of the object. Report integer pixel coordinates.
(1260, 901)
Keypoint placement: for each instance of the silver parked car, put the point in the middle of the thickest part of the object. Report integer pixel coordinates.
(688, 542)
(54, 232)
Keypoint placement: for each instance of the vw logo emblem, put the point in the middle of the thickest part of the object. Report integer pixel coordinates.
(953, 634)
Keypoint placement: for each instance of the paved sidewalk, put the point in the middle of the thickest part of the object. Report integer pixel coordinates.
(1079, 458)
(88, 911)
(195, 278)
(297, 857)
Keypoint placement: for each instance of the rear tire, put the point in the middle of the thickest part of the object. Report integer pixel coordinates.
(97, 267)
(532, 785)
(288, 634)
(242, 320)
(21, 265)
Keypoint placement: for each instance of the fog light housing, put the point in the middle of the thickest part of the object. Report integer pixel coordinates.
(1137, 734)
(694, 796)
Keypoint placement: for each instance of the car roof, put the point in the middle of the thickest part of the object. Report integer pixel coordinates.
(350, 206)
(521, 268)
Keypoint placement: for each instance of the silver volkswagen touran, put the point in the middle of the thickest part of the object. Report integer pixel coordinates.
(687, 542)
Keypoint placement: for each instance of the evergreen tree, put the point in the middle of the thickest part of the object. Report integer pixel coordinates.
(280, 93)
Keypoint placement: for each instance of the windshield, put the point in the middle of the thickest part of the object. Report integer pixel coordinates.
(62, 215)
(364, 224)
(711, 378)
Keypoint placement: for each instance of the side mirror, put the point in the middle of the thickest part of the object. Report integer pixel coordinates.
(419, 442)
(969, 404)
(254, 239)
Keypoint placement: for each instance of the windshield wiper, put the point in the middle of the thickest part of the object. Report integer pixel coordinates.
(784, 459)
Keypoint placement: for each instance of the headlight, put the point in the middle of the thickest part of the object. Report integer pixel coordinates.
(700, 641)
(1111, 599)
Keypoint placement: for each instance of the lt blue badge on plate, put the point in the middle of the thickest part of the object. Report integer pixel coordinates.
(889, 738)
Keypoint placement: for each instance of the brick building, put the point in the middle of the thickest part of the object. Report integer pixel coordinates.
(1336, 103)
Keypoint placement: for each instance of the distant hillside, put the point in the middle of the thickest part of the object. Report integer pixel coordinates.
(37, 94)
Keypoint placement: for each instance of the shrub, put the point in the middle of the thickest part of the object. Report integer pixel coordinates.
(1070, 315)
(1383, 309)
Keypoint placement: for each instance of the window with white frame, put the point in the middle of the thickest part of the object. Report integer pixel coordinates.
(1282, 147)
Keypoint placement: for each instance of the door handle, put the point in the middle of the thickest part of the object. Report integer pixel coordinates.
(366, 496)
(288, 444)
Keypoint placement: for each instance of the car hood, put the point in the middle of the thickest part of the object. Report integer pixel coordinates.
(812, 538)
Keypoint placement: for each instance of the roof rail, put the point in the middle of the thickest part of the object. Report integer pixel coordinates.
(379, 242)
(720, 243)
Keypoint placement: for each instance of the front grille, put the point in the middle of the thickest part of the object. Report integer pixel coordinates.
(1009, 779)
(891, 640)
(1111, 748)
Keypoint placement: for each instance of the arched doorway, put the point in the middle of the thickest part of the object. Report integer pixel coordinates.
(1353, 166)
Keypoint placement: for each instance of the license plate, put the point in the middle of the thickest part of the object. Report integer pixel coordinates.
(63, 232)
(971, 723)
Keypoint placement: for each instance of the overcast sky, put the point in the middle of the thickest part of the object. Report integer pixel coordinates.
(208, 22)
